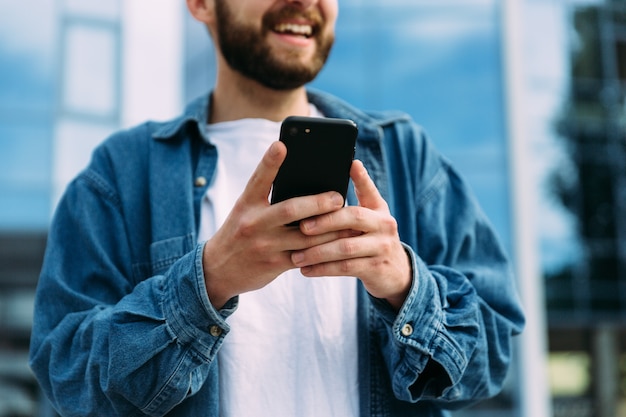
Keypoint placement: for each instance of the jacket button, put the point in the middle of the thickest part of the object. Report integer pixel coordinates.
(200, 182)
(407, 330)
(215, 331)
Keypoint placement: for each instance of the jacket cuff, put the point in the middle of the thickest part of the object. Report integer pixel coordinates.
(189, 312)
(417, 331)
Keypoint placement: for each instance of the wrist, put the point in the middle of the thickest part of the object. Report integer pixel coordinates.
(397, 300)
(217, 292)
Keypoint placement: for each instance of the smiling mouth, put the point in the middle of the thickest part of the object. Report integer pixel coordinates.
(294, 29)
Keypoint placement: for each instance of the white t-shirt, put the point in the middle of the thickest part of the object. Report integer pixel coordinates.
(292, 348)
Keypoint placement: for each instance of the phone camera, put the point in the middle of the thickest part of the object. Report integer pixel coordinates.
(293, 131)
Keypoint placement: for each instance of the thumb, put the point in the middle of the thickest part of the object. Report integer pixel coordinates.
(366, 191)
(261, 180)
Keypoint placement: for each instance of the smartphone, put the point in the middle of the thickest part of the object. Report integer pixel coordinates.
(319, 155)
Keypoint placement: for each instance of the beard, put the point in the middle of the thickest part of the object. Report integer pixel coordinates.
(244, 48)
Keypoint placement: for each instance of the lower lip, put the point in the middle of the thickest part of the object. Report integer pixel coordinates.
(294, 40)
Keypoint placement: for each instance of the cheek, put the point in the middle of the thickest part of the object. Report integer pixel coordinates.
(247, 11)
(330, 17)
(331, 10)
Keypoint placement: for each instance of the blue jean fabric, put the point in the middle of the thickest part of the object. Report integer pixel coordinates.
(123, 325)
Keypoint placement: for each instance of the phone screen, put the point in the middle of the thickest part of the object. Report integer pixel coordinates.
(319, 155)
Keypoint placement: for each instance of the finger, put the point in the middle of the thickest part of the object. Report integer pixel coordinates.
(298, 208)
(343, 268)
(260, 182)
(302, 242)
(337, 250)
(355, 219)
(366, 190)
(354, 267)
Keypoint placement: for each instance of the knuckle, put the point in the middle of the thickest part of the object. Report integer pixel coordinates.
(386, 246)
(390, 224)
(247, 227)
(359, 213)
(380, 264)
(348, 247)
(261, 246)
(373, 267)
(289, 210)
(345, 266)
(274, 261)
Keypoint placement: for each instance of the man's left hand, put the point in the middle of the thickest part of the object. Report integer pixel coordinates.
(368, 247)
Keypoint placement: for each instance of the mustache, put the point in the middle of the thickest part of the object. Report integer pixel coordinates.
(289, 12)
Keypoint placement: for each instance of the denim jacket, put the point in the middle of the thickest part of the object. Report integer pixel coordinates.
(123, 325)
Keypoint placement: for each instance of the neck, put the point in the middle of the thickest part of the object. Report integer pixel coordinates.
(236, 97)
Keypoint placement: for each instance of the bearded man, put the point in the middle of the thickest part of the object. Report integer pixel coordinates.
(171, 287)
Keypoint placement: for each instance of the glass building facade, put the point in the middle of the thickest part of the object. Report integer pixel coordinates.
(66, 82)
(586, 292)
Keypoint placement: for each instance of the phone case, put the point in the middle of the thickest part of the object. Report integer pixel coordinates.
(319, 155)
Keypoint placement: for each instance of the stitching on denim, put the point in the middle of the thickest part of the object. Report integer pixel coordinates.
(433, 189)
(96, 182)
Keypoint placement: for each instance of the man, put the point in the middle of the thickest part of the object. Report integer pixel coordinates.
(171, 286)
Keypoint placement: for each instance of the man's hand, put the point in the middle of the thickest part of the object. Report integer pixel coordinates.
(368, 246)
(254, 246)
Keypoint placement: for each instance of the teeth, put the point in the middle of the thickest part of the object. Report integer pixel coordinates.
(304, 30)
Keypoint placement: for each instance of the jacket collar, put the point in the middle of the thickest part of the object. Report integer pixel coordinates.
(370, 147)
(370, 124)
(196, 112)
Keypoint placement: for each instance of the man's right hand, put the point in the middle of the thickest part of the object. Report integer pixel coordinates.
(254, 246)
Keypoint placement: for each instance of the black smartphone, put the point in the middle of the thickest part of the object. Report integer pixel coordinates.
(319, 155)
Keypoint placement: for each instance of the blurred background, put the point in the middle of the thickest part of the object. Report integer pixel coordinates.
(526, 97)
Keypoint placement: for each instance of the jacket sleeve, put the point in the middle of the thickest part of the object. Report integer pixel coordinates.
(451, 341)
(103, 344)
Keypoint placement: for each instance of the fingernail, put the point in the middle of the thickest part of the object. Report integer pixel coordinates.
(308, 224)
(297, 257)
(337, 199)
(273, 149)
